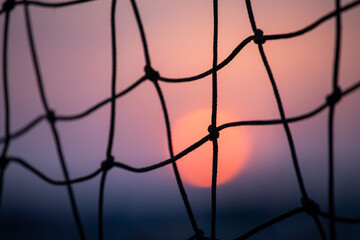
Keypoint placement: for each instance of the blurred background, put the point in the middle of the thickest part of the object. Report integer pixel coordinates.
(74, 50)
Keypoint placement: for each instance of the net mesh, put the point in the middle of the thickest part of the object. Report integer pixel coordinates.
(318, 214)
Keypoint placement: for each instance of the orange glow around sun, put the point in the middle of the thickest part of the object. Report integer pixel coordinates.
(196, 167)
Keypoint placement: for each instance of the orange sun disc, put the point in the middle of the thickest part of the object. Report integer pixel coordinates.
(196, 167)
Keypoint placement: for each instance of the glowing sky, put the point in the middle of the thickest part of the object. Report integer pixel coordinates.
(73, 45)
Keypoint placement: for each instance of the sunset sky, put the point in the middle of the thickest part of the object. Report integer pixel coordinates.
(74, 50)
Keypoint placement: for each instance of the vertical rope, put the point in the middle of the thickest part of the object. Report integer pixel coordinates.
(337, 44)
(214, 64)
(113, 80)
(331, 172)
(51, 120)
(285, 123)
(331, 120)
(101, 204)
(5, 85)
(174, 165)
(309, 206)
(289, 138)
(260, 40)
(142, 33)
(213, 122)
(154, 77)
(3, 161)
(107, 164)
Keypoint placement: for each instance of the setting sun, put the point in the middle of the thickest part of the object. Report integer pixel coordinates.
(195, 168)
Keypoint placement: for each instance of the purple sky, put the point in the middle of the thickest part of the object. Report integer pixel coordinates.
(74, 50)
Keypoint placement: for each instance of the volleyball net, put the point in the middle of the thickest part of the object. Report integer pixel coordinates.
(111, 163)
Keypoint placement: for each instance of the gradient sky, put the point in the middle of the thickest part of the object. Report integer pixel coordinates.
(74, 51)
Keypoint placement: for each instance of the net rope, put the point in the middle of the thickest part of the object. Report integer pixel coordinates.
(110, 163)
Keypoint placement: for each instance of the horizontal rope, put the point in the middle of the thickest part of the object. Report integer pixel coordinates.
(113, 163)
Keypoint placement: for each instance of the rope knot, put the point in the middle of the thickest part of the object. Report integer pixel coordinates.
(259, 37)
(8, 5)
(51, 116)
(213, 133)
(108, 163)
(334, 97)
(311, 207)
(151, 74)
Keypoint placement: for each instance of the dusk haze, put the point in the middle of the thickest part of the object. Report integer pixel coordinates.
(164, 119)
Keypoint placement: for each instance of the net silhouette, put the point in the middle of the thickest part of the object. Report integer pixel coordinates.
(306, 205)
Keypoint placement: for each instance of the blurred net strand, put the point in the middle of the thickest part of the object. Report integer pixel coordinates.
(51, 120)
(311, 113)
(185, 151)
(142, 79)
(220, 66)
(213, 133)
(107, 164)
(266, 37)
(333, 99)
(213, 130)
(270, 223)
(153, 76)
(259, 40)
(3, 160)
